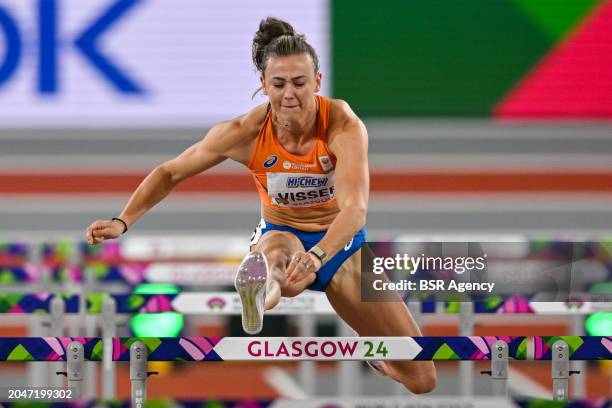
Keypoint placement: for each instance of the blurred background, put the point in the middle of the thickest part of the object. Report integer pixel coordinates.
(486, 118)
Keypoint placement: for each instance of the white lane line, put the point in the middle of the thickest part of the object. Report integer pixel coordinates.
(284, 384)
(414, 162)
(84, 164)
(521, 385)
(249, 202)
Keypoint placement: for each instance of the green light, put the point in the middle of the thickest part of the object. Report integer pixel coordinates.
(601, 288)
(156, 289)
(599, 324)
(166, 324)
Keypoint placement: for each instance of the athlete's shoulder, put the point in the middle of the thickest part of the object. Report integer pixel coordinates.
(342, 118)
(234, 138)
(254, 119)
(341, 111)
(246, 126)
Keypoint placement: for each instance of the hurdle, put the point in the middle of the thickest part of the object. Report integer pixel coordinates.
(138, 351)
(110, 306)
(111, 265)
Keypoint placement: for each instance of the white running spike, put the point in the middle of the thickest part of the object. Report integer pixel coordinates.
(250, 283)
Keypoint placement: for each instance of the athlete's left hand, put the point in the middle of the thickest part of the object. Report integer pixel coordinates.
(302, 265)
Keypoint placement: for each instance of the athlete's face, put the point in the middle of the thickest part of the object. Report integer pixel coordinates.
(290, 83)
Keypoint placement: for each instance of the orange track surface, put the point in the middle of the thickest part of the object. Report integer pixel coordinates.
(405, 181)
(212, 380)
(232, 380)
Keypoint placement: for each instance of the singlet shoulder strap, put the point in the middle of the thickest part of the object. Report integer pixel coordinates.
(323, 117)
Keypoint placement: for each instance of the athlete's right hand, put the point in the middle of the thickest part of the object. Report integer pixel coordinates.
(101, 230)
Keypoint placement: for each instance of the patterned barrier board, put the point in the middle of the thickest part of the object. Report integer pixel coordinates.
(46, 348)
(37, 303)
(474, 348)
(268, 349)
(580, 347)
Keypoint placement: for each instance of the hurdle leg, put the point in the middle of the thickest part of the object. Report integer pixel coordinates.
(138, 374)
(109, 330)
(38, 374)
(90, 323)
(56, 328)
(560, 370)
(466, 368)
(579, 381)
(499, 368)
(75, 361)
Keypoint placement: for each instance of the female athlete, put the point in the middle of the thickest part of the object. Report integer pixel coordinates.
(308, 158)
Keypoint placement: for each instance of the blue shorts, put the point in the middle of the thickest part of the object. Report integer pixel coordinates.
(310, 239)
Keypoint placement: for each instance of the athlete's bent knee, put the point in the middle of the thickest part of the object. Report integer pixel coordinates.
(423, 382)
(277, 258)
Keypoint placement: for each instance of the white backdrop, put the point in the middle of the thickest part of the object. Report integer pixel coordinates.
(190, 58)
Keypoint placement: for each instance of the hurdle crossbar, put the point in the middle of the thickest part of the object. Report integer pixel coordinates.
(266, 348)
(426, 348)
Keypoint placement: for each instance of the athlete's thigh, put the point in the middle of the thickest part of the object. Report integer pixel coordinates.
(389, 318)
(278, 241)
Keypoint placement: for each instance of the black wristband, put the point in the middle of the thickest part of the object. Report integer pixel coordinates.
(125, 227)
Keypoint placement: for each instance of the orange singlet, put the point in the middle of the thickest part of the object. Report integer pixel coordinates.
(297, 191)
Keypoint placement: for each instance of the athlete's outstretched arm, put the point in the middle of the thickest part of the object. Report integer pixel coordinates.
(352, 185)
(210, 151)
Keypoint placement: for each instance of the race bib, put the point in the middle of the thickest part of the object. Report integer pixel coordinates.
(300, 190)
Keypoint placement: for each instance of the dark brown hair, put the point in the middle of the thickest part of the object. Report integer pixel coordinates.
(278, 38)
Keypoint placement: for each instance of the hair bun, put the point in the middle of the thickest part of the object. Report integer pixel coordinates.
(269, 29)
(277, 37)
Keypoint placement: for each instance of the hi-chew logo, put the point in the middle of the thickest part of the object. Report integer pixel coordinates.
(300, 182)
(300, 190)
(50, 46)
(270, 161)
